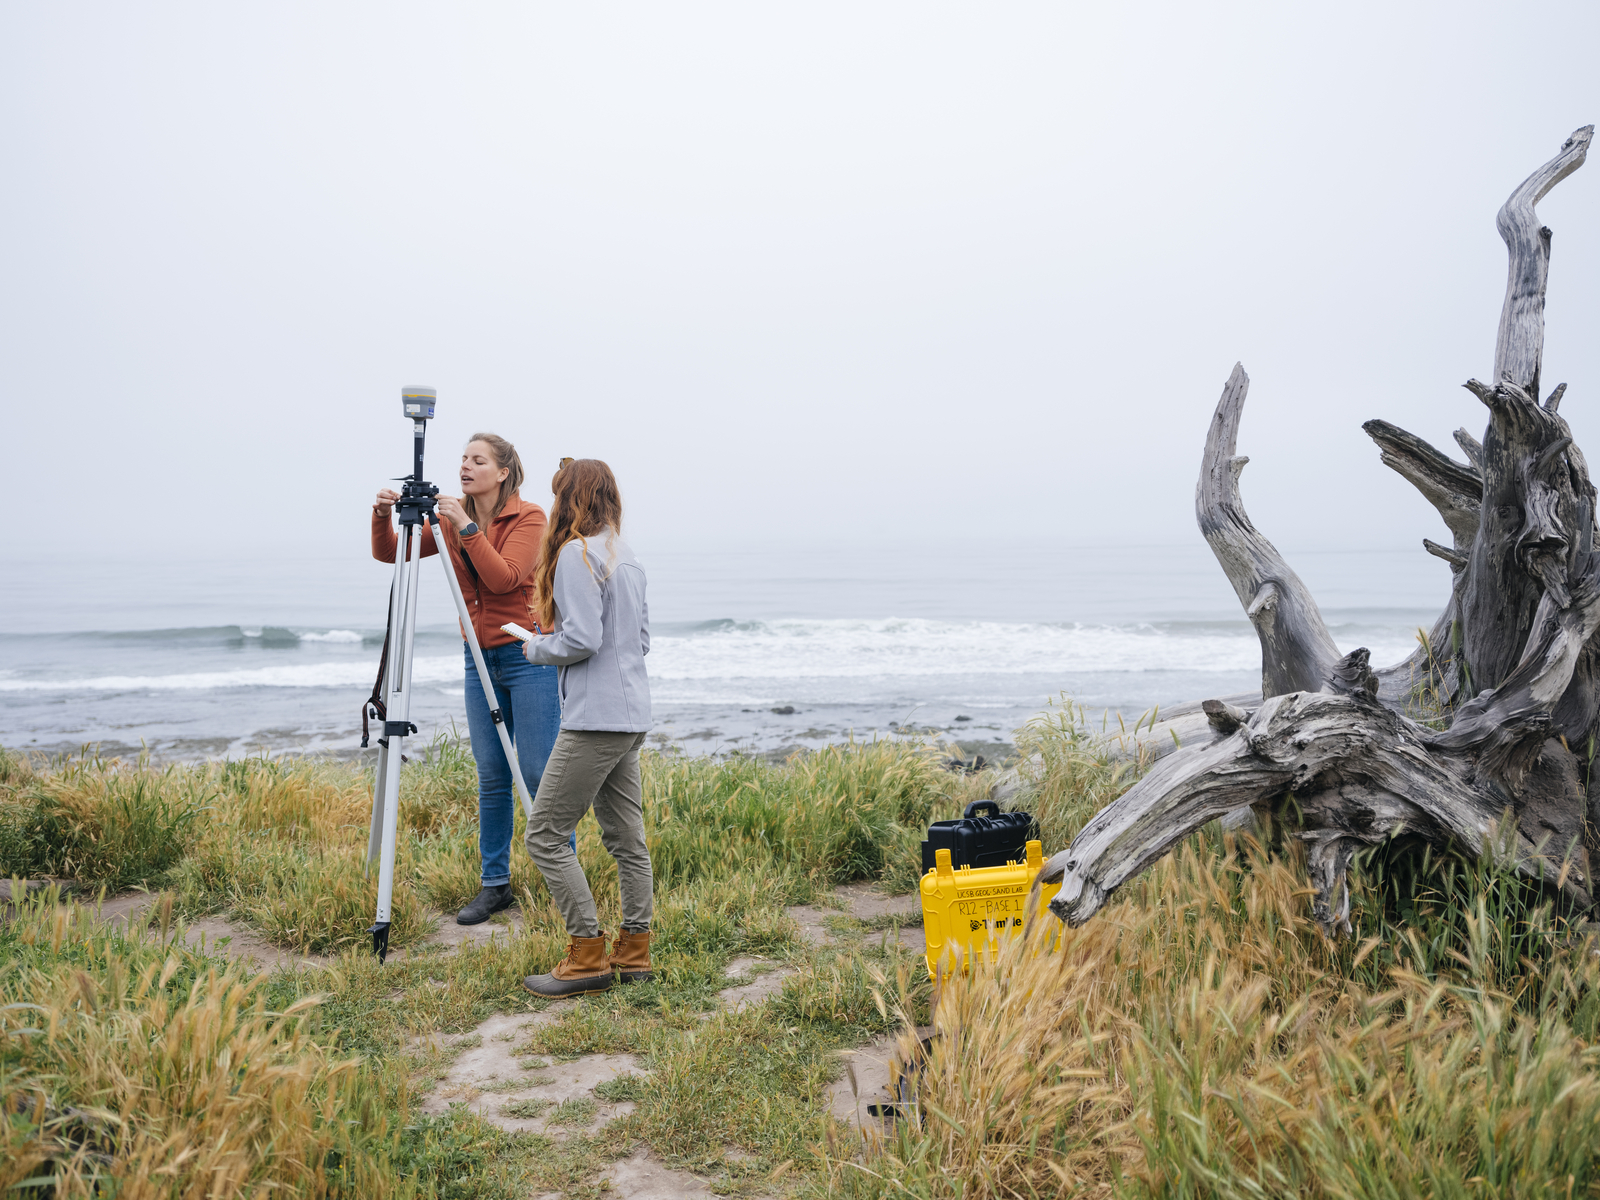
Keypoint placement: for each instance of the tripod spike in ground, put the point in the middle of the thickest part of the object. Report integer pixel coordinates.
(380, 940)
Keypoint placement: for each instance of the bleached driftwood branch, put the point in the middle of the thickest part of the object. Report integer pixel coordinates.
(1337, 750)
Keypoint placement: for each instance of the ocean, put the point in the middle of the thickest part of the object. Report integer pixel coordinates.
(759, 651)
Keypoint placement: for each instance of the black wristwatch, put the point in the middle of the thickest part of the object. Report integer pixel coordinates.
(469, 528)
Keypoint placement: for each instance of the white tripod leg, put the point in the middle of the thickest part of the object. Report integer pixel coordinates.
(396, 609)
(396, 728)
(483, 670)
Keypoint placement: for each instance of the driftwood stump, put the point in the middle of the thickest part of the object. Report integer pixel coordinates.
(1496, 711)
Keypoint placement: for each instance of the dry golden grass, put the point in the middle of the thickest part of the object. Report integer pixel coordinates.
(284, 846)
(124, 1095)
(1202, 1038)
(1199, 1038)
(148, 1071)
(835, 814)
(1074, 766)
(282, 843)
(93, 821)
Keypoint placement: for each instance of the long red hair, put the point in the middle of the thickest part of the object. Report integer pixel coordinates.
(587, 502)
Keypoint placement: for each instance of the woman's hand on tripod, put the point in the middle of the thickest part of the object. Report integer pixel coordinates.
(385, 502)
(450, 510)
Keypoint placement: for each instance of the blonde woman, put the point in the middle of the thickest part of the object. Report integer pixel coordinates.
(590, 591)
(494, 538)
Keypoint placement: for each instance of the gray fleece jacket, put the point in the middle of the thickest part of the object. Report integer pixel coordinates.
(602, 633)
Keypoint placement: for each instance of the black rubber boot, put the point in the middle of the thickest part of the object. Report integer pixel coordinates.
(488, 902)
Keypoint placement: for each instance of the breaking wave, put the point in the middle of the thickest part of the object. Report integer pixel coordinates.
(694, 655)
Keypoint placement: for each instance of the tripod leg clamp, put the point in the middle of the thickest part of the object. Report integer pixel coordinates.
(494, 713)
(398, 729)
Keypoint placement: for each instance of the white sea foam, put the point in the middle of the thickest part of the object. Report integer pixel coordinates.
(337, 636)
(888, 648)
(310, 675)
(737, 660)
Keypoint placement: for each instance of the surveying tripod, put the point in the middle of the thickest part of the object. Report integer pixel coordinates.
(416, 509)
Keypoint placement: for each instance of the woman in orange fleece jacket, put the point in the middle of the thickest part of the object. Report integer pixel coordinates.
(494, 538)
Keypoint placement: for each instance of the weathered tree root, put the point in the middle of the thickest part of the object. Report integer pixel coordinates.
(1341, 753)
(1344, 769)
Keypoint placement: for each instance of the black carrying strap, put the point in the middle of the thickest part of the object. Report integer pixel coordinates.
(459, 548)
(373, 705)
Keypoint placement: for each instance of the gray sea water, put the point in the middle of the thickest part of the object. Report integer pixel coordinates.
(758, 651)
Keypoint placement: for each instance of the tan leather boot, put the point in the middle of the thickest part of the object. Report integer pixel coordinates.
(630, 956)
(585, 969)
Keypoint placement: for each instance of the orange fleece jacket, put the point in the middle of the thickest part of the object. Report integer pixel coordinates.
(498, 585)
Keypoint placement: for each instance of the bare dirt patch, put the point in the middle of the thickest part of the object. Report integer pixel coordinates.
(502, 1029)
(812, 922)
(868, 1078)
(542, 1094)
(217, 936)
(28, 887)
(226, 938)
(503, 926)
(530, 1093)
(642, 1176)
(766, 980)
(122, 909)
(864, 903)
(861, 902)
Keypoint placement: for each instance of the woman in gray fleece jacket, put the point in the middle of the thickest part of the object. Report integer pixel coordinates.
(590, 591)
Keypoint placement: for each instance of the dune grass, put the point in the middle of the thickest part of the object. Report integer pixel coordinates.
(87, 821)
(328, 1055)
(1074, 766)
(131, 1065)
(1199, 1038)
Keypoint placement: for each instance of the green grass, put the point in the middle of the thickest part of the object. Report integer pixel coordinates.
(1199, 1038)
(525, 1110)
(104, 829)
(277, 846)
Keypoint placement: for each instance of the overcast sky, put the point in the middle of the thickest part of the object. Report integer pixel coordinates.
(798, 272)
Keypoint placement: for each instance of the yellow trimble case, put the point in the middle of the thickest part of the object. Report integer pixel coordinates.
(964, 909)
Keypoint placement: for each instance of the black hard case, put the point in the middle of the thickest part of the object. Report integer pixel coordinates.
(976, 841)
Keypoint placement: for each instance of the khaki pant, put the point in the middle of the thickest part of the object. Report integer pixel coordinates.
(590, 767)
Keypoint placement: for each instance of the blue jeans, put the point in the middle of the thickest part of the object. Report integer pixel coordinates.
(531, 708)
